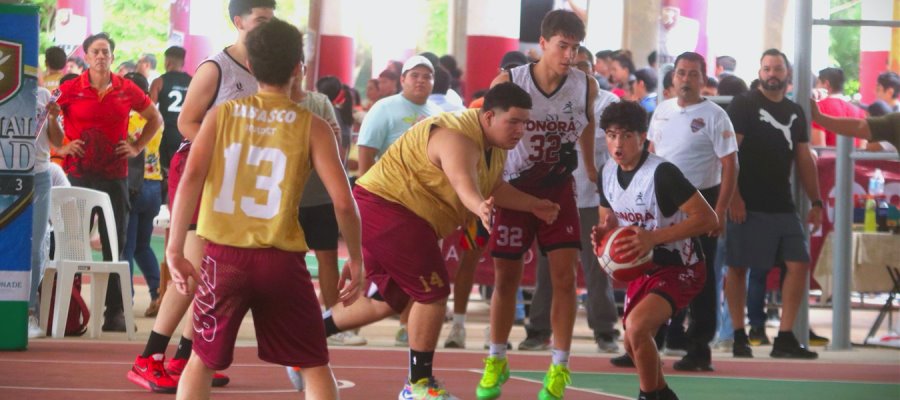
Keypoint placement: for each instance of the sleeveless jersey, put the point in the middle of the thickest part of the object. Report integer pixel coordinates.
(638, 205)
(546, 154)
(405, 175)
(171, 98)
(235, 80)
(259, 167)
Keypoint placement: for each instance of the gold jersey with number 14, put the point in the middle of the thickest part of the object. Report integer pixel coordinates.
(259, 167)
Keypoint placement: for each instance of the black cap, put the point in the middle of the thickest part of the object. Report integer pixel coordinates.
(513, 59)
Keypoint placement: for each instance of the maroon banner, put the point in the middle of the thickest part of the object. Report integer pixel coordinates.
(862, 172)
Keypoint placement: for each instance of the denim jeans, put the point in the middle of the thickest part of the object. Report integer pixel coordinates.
(724, 317)
(144, 207)
(756, 297)
(39, 224)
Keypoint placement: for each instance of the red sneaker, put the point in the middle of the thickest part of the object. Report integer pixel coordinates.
(176, 366)
(149, 373)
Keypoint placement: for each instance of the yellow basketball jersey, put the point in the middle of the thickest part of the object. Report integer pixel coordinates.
(406, 176)
(251, 196)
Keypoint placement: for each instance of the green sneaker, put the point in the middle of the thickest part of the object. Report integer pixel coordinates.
(496, 373)
(555, 383)
(426, 389)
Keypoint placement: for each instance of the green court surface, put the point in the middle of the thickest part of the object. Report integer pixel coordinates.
(711, 387)
(156, 243)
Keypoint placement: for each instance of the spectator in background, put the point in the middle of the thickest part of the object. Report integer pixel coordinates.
(439, 94)
(651, 60)
(146, 66)
(75, 65)
(393, 115)
(54, 64)
(644, 89)
(145, 197)
(450, 96)
(388, 83)
(831, 81)
(373, 93)
(621, 71)
(725, 65)
(668, 86)
(342, 100)
(585, 56)
(602, 63)
(886, 91)
(456, 83)
(710, 87)
(169, 92)
(732, 85)
(101, 161)
(126, 67)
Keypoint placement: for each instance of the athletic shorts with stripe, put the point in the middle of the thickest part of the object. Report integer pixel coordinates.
(276, 286)
(400, 252)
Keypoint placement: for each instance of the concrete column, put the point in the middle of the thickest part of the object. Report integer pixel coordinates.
(189, 30)
(336, 48)
(493, 30)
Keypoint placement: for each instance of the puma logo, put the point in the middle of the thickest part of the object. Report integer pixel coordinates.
(785, 129)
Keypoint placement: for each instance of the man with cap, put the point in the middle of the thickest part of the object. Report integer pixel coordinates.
(393, 115)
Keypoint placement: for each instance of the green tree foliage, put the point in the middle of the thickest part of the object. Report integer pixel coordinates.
(137, 26)
(844, 50)
(435, 39)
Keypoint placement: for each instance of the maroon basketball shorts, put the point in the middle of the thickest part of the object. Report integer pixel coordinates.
(176, 169)
(677, 284)
(276, 286)
(400, 252)
(514, 231)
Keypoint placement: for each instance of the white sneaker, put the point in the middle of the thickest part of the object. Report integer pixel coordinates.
(346, 338)
(295, 377)
(457, 337)
(34, 328)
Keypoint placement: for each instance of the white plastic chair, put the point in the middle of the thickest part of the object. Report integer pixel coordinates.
(70, 214)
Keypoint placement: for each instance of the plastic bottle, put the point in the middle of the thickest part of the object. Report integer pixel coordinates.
(876, 189)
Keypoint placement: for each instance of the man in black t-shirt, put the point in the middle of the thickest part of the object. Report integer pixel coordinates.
(168, 91)
(764, 228)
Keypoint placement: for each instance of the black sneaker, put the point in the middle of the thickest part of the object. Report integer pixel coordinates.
(114, 323)
(696, 360)
(623, 361)
(758, 337)
(786, 346)
(741, 346)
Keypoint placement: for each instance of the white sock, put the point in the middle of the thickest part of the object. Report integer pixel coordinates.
(560, 357)
(326, 314)
(498, 350)
(459, 319)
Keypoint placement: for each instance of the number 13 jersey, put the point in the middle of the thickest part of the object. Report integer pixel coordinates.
(259, 167)
(546, 154)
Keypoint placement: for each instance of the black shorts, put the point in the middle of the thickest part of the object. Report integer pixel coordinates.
(320, 227)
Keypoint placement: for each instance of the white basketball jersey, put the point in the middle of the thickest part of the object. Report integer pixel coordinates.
(235, 80)
(637, 205)
(546, 154)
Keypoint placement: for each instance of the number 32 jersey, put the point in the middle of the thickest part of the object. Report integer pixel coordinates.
(546, 154)
(251, 197)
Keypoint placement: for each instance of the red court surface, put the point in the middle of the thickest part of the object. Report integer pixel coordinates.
(78, 369)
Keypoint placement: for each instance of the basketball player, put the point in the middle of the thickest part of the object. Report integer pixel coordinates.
(425, 185)
(667, 213)
(222, 77)
(542, 165)
(251, 158)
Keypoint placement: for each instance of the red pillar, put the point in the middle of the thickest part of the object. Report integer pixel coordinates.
(492, 30)
(337, 51)
(197, 47)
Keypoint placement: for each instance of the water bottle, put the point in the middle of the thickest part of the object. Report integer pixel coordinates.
(876, 189)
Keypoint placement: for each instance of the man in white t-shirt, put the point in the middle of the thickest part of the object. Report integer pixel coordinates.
(696, 135)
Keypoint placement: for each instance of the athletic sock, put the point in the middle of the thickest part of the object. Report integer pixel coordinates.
(330, 327)
(420, 365)
(155, 344)
(459, 319)
(560, 357)
(498, 350)
(184, 349)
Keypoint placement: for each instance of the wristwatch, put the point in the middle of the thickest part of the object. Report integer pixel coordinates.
(818, 203)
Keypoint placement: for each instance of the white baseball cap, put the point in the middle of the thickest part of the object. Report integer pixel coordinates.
(416, 61)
